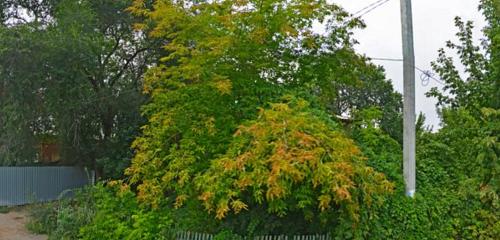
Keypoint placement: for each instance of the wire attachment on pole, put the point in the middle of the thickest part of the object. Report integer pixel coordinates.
(426, 77)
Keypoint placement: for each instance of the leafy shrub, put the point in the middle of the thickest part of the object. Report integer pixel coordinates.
(119, 216)
(226, 235)
(43, 218)
(452, 202)
(63, 219)
(270, 176)
(291, 159)
(4, 209)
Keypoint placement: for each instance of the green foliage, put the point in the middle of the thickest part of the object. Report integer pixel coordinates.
(458, 165)
(491, 10)
(17, 141)
(222, 142)
(63, 219)
(463, 155)
(290, 159)
(43, 218)
(77, 78)
(119, 216)
(383, 152)
(4, 210)
(479, 88)
(372, 91)
(221, 66)
(227, 235)
(215, 78)
(99, 212)
(14, 12)
(456, 197)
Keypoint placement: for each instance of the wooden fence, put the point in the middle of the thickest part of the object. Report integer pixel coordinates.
(204, 236)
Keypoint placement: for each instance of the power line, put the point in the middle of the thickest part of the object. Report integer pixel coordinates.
(424, 76)
(365, 10)
(366, 7)
(369, 8)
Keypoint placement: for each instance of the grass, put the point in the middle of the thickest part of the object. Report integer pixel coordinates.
(42, 217)
(4, 209)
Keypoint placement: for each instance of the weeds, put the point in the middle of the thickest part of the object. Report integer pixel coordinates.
(4, 209)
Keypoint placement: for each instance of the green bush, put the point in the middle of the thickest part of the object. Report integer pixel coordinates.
(227, 235)
(452, 202)
(120, 216)
(43, 218)
(445, 207)
(4, 209)
(100, 212)
(63, 219)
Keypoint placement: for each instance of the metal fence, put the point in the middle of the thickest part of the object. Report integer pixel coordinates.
(203, 236)
(24, 185)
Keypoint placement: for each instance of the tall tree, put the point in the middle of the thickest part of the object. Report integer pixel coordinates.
(87, 64)
(491, 10)
(225, 60)
(467, 147)
(479, 87)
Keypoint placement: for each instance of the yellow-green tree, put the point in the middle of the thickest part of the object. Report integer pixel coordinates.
(291, 159)
(223, 61)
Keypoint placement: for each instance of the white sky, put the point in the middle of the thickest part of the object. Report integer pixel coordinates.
(433, 25)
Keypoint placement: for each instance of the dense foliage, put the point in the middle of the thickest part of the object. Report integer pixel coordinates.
(290, 159)
(63, 219)
(243, 135)
(114, 210)
(71, 75)
(226, 59)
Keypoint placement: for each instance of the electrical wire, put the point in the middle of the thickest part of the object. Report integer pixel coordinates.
(366, 7)
(425, 75)
(369, 8)
(363, 11)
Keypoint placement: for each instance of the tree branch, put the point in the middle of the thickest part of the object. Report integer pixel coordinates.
(115, 47)
(125, 66)
(92, 80)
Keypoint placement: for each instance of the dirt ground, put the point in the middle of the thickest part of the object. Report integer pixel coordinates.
(12, 226)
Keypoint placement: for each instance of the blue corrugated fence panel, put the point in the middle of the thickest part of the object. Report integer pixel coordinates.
(23, 185)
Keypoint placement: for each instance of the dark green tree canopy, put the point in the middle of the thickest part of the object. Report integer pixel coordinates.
(76, 78)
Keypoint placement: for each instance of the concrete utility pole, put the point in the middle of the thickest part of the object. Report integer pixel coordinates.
(409, 98)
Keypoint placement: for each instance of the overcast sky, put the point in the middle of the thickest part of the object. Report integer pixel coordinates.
(433, 25)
